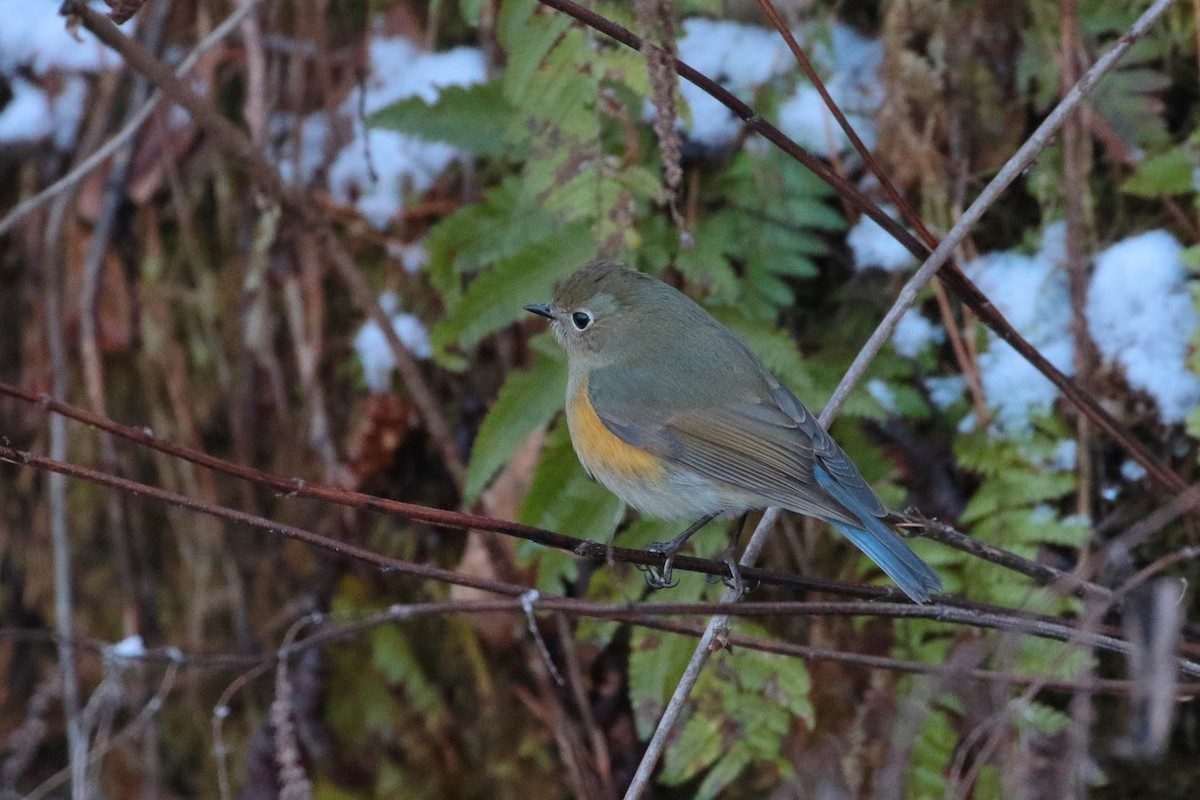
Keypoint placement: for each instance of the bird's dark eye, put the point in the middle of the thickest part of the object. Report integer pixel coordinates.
(581, 320)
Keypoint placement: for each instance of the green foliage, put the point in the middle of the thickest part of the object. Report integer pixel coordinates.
(1013, 506)
(742, 709)
(563, 498)
(527, 401)
(473, 118)
(939, 737)
(1129, 97)
(931, 750)
(1167, 173)
(393, 657)
(381, 685)
(479, 234)
(496, 298)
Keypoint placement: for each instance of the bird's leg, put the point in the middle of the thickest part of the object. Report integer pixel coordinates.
(661, 578)
(734, 581)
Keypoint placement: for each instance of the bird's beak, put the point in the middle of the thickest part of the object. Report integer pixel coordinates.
(541, 309)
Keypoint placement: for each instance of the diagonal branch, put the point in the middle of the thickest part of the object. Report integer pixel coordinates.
(970, 371)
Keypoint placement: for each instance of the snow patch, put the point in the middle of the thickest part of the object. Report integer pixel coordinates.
(914, 333)
(129, 648)
(1032, 293)
(873, 247)
(372, 348)
(35, 36)
(1142, 318)
(377, 168)
(1132, 471)
(743, 58)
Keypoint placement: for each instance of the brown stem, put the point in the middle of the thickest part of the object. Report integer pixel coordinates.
(1076, 156)
(978, 616)
(462, 521)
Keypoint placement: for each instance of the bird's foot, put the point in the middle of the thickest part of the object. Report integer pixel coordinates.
(661, 577)
(734, 579)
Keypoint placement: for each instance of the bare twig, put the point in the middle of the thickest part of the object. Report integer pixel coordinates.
(586, 549)
(1076, 157)
(641, 614)
(144, 717)
(1049, 576)
(92, 365)
(294, 783)
(660, 66)
(596, 551)
(56, 495)
(979, 615)
(599, 745)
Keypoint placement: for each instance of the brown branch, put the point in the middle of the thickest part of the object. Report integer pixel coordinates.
(1076, 159)
(953, 277)
(940, 532)
(640, 614)
(951, 611)
(233, 141)
(21, 457)
(331, 633)
(596, 551)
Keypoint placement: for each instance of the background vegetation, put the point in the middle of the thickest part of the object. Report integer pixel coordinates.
(186, 287)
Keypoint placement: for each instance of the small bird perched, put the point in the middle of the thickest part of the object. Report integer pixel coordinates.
(674, 414)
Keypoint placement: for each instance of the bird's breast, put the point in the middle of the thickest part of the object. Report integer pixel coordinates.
(599, 449)
(639, 477)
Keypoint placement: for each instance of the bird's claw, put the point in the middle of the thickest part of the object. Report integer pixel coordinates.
(660, 577)
(735, 580)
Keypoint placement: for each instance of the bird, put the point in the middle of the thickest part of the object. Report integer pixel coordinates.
(675, 415)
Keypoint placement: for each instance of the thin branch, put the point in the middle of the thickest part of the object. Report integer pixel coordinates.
(980, 615)
(910, 216)
(717, 626)
(604, 552)
(289, 531)
(56, 501)
(91, 362)
(135, 726)
(1048, 576)
(641, 614)
(595, 551)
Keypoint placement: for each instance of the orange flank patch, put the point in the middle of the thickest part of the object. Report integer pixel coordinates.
(599, 449)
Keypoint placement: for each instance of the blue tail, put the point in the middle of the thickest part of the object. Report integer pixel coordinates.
(882, 545)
